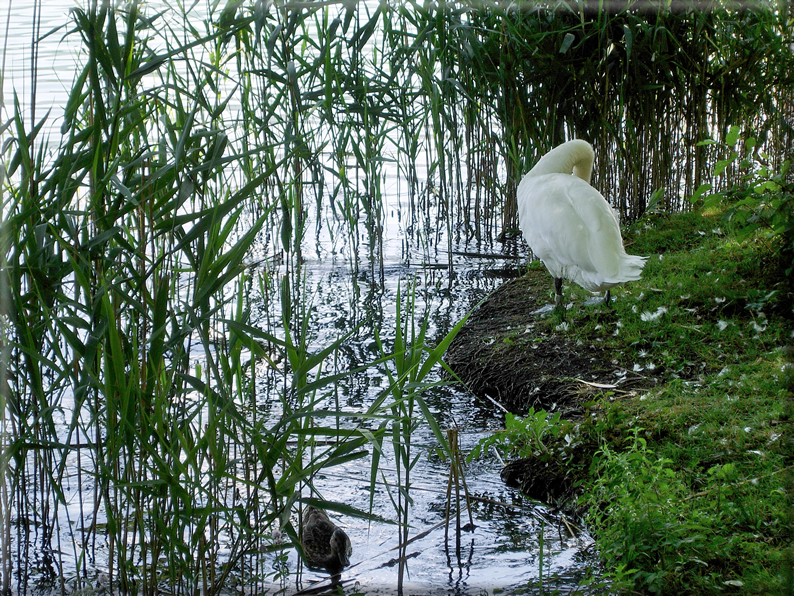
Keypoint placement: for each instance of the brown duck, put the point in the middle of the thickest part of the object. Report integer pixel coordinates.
(325, 546)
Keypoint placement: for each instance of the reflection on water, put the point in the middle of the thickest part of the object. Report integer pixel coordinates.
(502, 551)
(20, 23)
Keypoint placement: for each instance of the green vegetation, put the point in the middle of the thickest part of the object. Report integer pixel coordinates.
(644, 85)
(159, 344)
(762, 202)
(686, 477)
(527, 435)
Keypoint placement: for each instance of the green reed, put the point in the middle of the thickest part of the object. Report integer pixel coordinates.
(408, 373)
(152, 262)
(643, 84)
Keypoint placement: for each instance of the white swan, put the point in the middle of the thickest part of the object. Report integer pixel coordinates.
(570, 226)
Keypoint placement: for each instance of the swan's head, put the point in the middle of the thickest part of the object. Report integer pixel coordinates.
(341, 547)
(574, 157)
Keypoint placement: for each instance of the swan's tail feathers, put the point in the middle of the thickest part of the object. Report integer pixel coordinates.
(631, 268)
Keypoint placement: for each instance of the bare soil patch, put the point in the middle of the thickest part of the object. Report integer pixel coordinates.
(509, 352)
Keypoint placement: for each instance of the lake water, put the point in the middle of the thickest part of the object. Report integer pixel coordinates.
(502, 553)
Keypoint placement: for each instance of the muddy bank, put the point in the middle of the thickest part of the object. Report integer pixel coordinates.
(515, 356)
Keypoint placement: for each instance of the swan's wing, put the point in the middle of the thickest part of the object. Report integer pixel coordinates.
(571, 227)
(604, 242)
(607, 253)
(553, 230)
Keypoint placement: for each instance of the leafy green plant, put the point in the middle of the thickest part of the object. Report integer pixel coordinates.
(760, 199)
(408, 367)
(525, 436)
(633, 512)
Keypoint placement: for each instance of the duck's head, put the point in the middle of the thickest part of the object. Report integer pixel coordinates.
(341, 547)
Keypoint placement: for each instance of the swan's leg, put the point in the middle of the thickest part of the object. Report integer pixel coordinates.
(558, 290)
(607, 298)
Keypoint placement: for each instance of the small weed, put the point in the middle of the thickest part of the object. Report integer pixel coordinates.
(634, 511)
(525, 436)
(762, 204)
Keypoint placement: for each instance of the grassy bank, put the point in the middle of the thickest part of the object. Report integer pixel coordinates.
(685, 461)
(692, 488)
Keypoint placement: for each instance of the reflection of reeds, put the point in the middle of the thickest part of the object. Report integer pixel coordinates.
(133, 358)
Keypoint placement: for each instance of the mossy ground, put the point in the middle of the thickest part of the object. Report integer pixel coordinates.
(680, 397)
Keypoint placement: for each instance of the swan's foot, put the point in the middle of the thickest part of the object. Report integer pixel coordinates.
(558, 305)
(605, 299)
(558, 291)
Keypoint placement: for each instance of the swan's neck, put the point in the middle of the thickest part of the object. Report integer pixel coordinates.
(574, 157)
